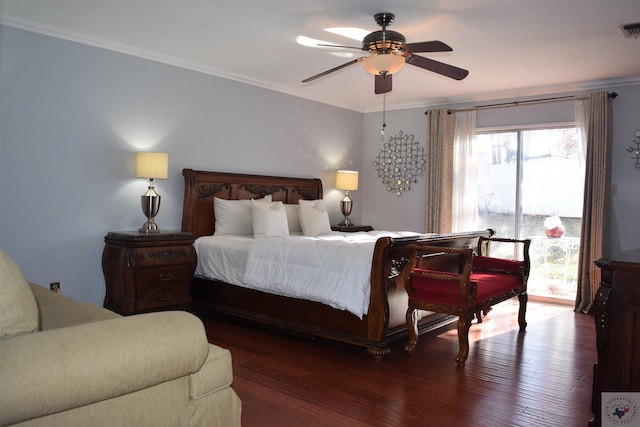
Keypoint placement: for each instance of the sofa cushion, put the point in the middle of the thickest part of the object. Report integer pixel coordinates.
(58, 311)
(18, 309)
(215, 374)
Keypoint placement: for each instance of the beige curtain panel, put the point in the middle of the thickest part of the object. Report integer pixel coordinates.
(594, 235)
(440, 127)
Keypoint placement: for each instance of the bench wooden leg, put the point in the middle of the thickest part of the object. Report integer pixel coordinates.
(412, 327)
(464, 323)
(480, 315)
(522, 311)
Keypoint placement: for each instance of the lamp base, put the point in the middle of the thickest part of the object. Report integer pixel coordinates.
(346, 222)
(149, 227)
(345, 207)
(150, 207)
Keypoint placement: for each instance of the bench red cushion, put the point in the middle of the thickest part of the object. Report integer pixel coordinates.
(487, 284)
(496, 264)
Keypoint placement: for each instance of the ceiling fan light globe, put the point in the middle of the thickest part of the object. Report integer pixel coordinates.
(383, 63)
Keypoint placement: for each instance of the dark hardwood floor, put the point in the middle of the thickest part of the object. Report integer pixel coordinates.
(540, 378)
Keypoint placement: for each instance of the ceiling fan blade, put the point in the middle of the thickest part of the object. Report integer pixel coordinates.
(339, 67)
(340, 46)
(383, 83)
(432, 46)
(437, 67)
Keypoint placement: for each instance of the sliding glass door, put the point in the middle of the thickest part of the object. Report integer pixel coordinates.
(530, 185)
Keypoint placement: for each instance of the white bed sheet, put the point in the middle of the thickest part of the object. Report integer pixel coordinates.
(333, 269)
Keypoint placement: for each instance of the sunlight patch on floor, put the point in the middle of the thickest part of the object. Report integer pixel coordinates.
(503, 318)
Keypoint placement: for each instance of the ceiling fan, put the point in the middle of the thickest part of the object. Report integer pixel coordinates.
(390, 51)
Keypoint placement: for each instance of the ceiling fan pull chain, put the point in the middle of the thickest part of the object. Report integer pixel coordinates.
(384, 113)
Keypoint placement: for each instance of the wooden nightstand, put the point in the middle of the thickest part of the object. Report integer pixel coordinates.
(148, 272)
(351, 228)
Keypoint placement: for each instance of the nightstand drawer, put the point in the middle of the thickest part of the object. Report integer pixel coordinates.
(161, 297)
(164, 255)
(150, 277)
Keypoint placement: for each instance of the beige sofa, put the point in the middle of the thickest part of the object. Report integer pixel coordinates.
(68, 363)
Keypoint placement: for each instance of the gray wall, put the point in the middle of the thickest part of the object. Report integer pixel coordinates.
(625, 232)
(381, 208)
(72, 116)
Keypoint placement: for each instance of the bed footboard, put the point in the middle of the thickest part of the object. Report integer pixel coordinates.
(389, 300)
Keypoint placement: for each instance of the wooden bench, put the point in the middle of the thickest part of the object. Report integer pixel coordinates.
(480, 282)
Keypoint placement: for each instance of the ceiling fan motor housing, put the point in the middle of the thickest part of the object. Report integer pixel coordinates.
(384, 41)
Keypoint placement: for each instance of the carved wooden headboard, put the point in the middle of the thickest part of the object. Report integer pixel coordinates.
(200, 187)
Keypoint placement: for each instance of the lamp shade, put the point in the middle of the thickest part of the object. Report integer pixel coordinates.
(152, 165)
(346, 180)
(383, 63)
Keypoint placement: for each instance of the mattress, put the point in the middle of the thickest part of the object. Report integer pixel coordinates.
(333, 269)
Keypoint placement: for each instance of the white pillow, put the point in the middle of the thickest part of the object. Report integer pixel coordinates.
(293, 219)
(314, 218)
(18, 308)
(233, 217)
(269, 220)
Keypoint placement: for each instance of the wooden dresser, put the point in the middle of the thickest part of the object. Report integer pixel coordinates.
(148, 272)
(617, 317)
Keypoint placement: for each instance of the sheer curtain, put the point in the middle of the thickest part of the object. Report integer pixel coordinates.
(582, 121)
(594, 235)
(464, 200)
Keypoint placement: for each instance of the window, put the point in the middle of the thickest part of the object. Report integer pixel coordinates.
(530, 185)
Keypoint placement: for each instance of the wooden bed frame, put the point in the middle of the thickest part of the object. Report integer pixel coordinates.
(384, 323)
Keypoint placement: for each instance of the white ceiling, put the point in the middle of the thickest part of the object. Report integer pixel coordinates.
(512, 48)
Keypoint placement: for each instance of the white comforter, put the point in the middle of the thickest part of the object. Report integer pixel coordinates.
(333, 269)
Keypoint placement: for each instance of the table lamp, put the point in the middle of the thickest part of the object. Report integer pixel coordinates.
(346, 180)
(151, 166)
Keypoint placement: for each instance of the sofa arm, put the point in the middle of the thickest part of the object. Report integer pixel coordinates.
(47, 372)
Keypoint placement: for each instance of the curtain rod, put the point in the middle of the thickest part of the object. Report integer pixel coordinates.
(612, 95)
